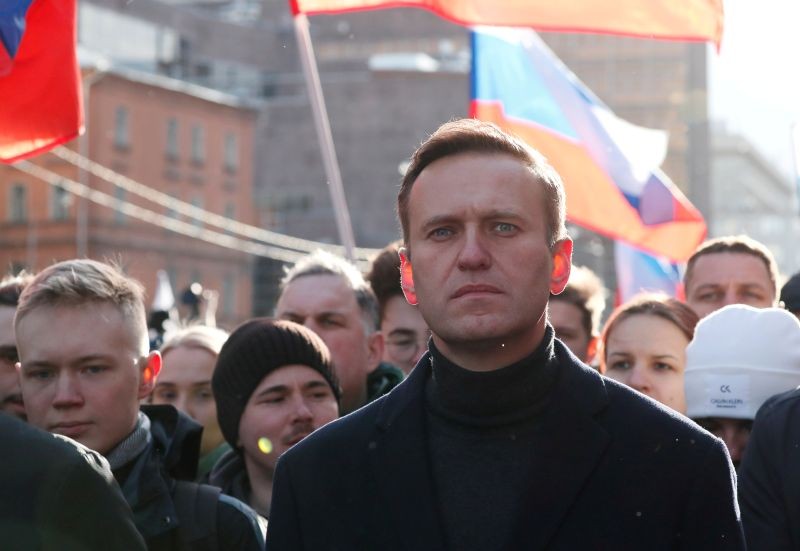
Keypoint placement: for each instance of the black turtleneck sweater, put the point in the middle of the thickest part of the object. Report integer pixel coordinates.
(480, 428)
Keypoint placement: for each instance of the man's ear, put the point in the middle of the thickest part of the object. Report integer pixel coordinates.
(562, 265)
(407, 277)
(150, 371)
(375, 344)
(591, 350)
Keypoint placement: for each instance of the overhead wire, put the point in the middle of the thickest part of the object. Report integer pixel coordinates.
(158, 219)
(184, 208)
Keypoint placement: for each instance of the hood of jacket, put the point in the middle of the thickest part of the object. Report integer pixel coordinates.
(176, 438)
(230, 475)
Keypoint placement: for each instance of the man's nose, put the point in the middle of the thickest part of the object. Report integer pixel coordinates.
(68, 391)
(474, 253)
(301, 410)
(730, 297)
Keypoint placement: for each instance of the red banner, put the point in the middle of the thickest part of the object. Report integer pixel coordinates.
(693, 20)
(40, 97)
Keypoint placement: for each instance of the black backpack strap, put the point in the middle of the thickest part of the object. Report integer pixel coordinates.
(196, 509)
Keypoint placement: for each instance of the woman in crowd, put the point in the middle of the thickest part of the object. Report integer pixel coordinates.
(644, 347)
(190, 355)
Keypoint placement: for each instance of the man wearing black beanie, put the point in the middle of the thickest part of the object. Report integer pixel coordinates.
(274, 385)
(790, 294)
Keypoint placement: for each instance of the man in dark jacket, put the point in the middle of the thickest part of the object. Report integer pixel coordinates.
(56, 495)
(500, 438)
(769, 479)
(84, 367)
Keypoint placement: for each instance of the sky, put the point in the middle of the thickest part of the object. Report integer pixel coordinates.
(755, 79)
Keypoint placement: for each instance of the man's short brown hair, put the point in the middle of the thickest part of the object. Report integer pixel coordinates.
(734, 244)
(384, 275)
(474, 136)
(11, 288)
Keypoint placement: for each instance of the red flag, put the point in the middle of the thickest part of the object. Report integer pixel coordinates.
(40, 97)
(695, 20)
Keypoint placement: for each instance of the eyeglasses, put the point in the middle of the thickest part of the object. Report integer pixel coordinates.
(407, 347)
(9, 355)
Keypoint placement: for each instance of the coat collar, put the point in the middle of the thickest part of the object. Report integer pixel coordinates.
(570, 443)
(401, 440)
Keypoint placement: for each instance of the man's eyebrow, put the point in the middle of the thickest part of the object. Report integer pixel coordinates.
(502, 213)
(77, 361)
(271, 389)
(34, 364)
(707, 286)
(314, 384)
(455, 219)
(291, 314)
(440, 219)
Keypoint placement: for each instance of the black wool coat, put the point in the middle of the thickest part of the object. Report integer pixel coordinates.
(57, 495)
(613, 470)
(769, 476)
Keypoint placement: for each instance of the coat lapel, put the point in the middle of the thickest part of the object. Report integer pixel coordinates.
(401, 467)
(569, 443)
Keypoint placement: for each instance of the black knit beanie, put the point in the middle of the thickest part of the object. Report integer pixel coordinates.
(790, 294)
(254, 350)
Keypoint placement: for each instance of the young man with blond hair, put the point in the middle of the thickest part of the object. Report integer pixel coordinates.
(85, 367)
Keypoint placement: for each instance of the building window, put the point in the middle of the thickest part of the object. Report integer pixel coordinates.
(198, 144)
(119, 195)
(18, 204)
(59, 203)
(121, 130)
(172, 139)
(231, 152)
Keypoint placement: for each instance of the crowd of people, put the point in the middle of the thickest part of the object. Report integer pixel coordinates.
(460, 395)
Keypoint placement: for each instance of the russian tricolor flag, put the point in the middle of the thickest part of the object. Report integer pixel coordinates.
(40, 96)
(609, 167)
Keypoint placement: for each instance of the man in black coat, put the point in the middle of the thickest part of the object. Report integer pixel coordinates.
(56, 495)
(770, 478)
(500, 438)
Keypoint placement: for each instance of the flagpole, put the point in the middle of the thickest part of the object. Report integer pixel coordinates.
(796, 161)
(324, 135)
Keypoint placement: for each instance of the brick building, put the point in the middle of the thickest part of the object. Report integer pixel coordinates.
(192, 143)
